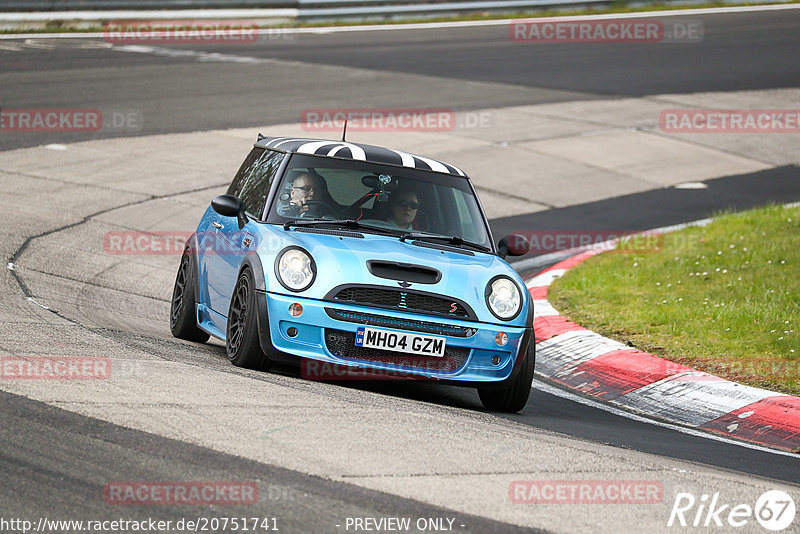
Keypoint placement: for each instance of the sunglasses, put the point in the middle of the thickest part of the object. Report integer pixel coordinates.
(407, 204)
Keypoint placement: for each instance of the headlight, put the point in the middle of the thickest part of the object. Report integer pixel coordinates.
(295, 269)
(503, 298)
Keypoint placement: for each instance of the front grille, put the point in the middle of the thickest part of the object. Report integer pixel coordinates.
(402, 300)
(342, 344)
(401, 324)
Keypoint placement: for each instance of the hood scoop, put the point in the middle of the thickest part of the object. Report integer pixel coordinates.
(404, 272)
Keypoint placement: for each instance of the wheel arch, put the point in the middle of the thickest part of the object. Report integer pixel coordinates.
(253, 261)
(528, 341)
(192, 248)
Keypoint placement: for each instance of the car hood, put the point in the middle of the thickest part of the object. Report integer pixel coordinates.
(343, 259)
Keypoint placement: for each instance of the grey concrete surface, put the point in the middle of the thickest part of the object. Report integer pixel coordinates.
(79, 455)
(116, 306)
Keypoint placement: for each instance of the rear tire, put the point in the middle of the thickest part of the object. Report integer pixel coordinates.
(513, 396)
(182, 312)
(241, 338)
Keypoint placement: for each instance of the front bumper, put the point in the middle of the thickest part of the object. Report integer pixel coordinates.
(325, 332)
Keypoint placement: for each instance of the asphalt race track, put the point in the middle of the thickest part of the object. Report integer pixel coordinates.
(462, 68)
(322, 452)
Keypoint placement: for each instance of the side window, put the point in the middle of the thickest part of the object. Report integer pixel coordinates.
(254, 179)
(247, 167)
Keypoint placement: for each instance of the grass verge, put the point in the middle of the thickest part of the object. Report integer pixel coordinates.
(724, 298)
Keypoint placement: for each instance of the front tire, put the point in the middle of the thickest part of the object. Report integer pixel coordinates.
(182, 313)
(513, 395)
(241, 338)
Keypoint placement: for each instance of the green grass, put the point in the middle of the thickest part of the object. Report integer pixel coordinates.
(724, 298)
(619, 6)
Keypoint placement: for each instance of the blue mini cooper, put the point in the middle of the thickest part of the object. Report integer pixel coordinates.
(362, 257)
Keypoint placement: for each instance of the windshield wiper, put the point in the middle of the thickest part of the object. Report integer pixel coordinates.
(452, 240)
(315, 222)
(347, 223)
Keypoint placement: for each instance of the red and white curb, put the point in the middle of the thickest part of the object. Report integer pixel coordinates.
(582, 360)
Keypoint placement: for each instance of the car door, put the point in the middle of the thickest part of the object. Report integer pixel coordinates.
(231, 243)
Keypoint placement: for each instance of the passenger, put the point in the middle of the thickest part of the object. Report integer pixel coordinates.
(403, 209)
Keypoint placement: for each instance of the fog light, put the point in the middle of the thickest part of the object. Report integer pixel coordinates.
(496, 360)
(292, 331)
(501, 338)
(296, 310)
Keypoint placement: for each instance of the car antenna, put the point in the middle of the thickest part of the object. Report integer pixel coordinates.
(344, 131)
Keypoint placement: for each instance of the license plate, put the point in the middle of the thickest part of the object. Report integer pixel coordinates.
(407, 342)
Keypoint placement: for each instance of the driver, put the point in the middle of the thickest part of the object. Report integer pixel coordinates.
(306, 186)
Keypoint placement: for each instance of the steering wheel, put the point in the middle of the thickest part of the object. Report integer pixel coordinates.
(319, 208)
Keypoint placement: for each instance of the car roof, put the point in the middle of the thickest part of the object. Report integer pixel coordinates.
(357, 151)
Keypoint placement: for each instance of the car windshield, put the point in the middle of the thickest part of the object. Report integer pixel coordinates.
(394, 199)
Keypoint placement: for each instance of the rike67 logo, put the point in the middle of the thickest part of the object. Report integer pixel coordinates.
(774, 510)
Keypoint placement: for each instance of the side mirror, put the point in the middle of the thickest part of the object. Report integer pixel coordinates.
(230, 206)
(513, 245)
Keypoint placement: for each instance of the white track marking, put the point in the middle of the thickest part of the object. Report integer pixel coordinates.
(196, 54)
(560, 355)
(389, 27)
(692, 398)
(558, 392)
(142, 14)
(690, 185)
(36, 43)
(546, 278)
(543, 308)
